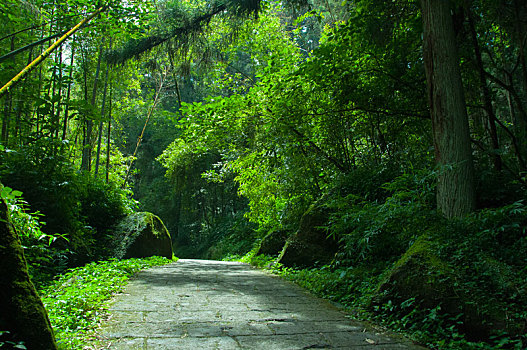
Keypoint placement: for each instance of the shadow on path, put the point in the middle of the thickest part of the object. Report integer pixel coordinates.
(202, 304)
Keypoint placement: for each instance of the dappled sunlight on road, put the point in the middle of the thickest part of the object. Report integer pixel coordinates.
(201, 304)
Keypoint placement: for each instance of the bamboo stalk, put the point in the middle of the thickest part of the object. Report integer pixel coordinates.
(5, 89)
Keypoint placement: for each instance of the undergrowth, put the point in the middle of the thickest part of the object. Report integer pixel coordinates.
(353, 288)
(472, 295)
(77, 301)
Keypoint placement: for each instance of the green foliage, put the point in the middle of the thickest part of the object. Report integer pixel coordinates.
(43, 260)
(8, 344)
(77, 301)
(233, 237)
(277, 122)
(181, 23)
(486, 252)
(76, 207)
(373, 229)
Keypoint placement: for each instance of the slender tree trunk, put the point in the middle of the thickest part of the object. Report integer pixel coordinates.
(68, 93)
(18, 120)
(7, 108)
(99, 140)
(85, 89)
(140, 138)
(56, 122)
(108, 140)
(36, 112)
(51, 89)
(57, 91)
(487, 99)
(6, 119)
(87, 149)
(171, 60)
(21, 105)
(455, 189)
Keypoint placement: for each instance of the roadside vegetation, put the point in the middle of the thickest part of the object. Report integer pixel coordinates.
(77, 301)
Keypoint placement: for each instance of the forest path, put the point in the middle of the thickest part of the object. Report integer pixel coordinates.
(201, 304)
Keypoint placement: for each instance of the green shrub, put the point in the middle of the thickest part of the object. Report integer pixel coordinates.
(232, 235)
(487, 251)
(74, 205)
(47, 179)
(77, 300)
(44, 261)
(381, 230)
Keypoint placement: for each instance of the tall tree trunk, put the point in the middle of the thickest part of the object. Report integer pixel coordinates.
(140, 138)
(174, 75)
(68, 93)
(455, 188)
(21, 105)
(108, 140)
(6, 119)
(23, 313)
(56, 121)
(85, 89)
(86, 150)
(99, 139)
(7, 108)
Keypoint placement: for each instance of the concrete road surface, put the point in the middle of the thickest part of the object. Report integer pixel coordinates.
(201, 304)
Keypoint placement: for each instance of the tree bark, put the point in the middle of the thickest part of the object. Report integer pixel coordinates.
(108, 139)
(455, 188)
(23, 313)
(99, 138)
(68, 93)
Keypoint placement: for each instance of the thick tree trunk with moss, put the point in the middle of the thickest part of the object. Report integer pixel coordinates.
(23, 313)
(455, 189)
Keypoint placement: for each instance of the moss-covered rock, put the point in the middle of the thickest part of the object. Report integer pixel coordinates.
(310, 244)
(420, 274)
(273, 242)
(141, 235)
(23, 313)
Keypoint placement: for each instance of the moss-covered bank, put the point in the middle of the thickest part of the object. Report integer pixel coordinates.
(23, 313)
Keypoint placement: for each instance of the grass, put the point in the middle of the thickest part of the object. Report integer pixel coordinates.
(78, 300)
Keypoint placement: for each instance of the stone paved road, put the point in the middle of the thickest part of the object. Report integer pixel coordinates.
(200, 304)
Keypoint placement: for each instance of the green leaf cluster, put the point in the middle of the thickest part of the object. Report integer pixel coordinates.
(78, 299)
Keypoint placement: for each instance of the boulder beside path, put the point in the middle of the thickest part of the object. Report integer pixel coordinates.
(141, 235)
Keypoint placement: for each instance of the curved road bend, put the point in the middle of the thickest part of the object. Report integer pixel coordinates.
(201, 304)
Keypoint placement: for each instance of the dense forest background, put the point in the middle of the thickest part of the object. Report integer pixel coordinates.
(243, 124)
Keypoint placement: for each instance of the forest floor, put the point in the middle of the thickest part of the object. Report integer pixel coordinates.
(202, 304)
